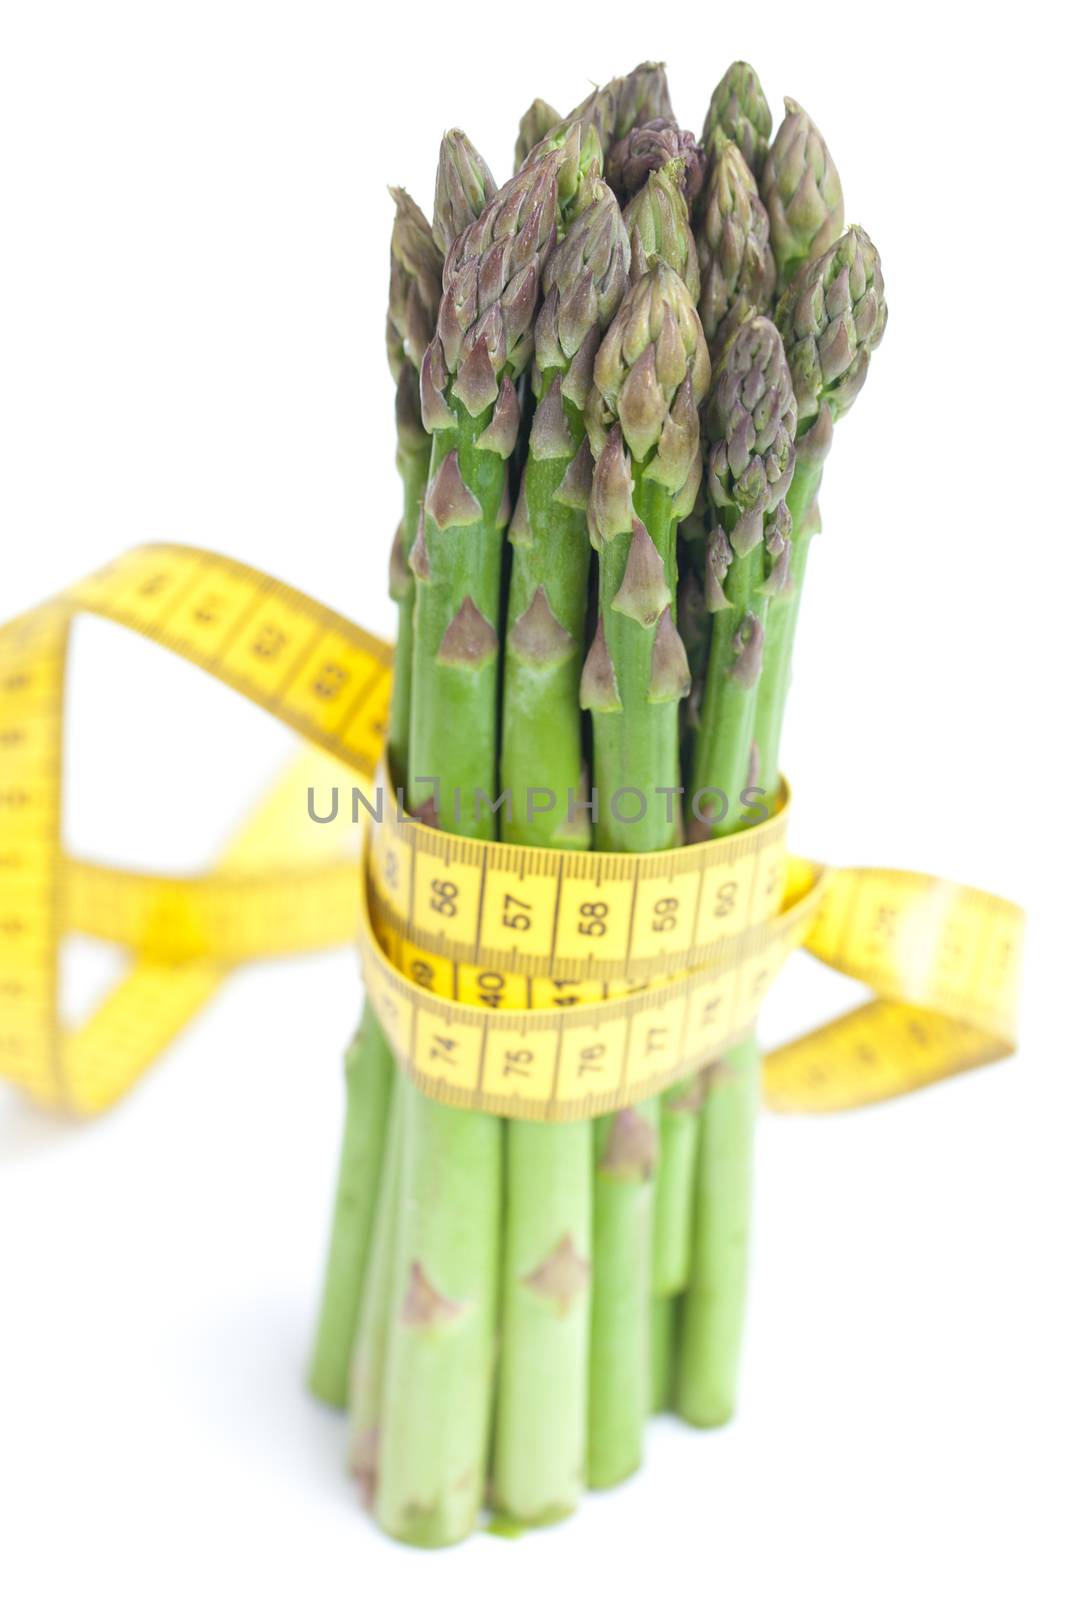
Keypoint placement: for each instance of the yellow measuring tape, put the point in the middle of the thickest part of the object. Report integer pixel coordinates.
(525, 982)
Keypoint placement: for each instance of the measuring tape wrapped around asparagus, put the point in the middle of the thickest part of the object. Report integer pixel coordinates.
(617, 1291)
(617, 380)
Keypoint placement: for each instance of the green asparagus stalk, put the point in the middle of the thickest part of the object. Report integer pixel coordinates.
(539, 1459)
(739, 113)
(539, 1455)
(752, 421)
(752, 426)
(368, 1087)
(736, 279)
(802, 192)
(712, 1308)
(719, 756)
(415, 266)
(438, 1383)
(584, 282)
(625, 1148)
(370, 1351)
(832, 317)
(679, 1134)
(737, 274)
(415, 292)
(650, 377)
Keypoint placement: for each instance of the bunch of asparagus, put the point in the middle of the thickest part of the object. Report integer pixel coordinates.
(617, 379)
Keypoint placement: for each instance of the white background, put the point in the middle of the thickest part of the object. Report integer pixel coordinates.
(192, 289)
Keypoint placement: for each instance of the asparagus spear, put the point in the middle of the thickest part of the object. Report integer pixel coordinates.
(657, 221)
(733, 244)
(802, 192)
(370, 1350)
(576, 153)
(539, 1460)
(650, 377)
(368, 1088)
(415, 266)
(737, 279)
(538, 119)
(438, 1380)
(712, 1308)
(831, 317)
(462, 184)
(583, 284)
(737, 269)
(463, 189)
(752, 421)
(752, 425)
(740, 114)
(640, 96)
(647, 148)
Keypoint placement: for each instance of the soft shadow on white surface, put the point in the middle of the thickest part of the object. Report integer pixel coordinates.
(29, 1132)
(239, 1369)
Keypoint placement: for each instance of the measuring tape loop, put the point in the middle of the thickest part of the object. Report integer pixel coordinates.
(523, 982)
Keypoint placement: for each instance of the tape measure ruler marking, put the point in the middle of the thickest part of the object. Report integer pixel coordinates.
(322, 675)
(570, 914)
(461, 1053)
(594, 946)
